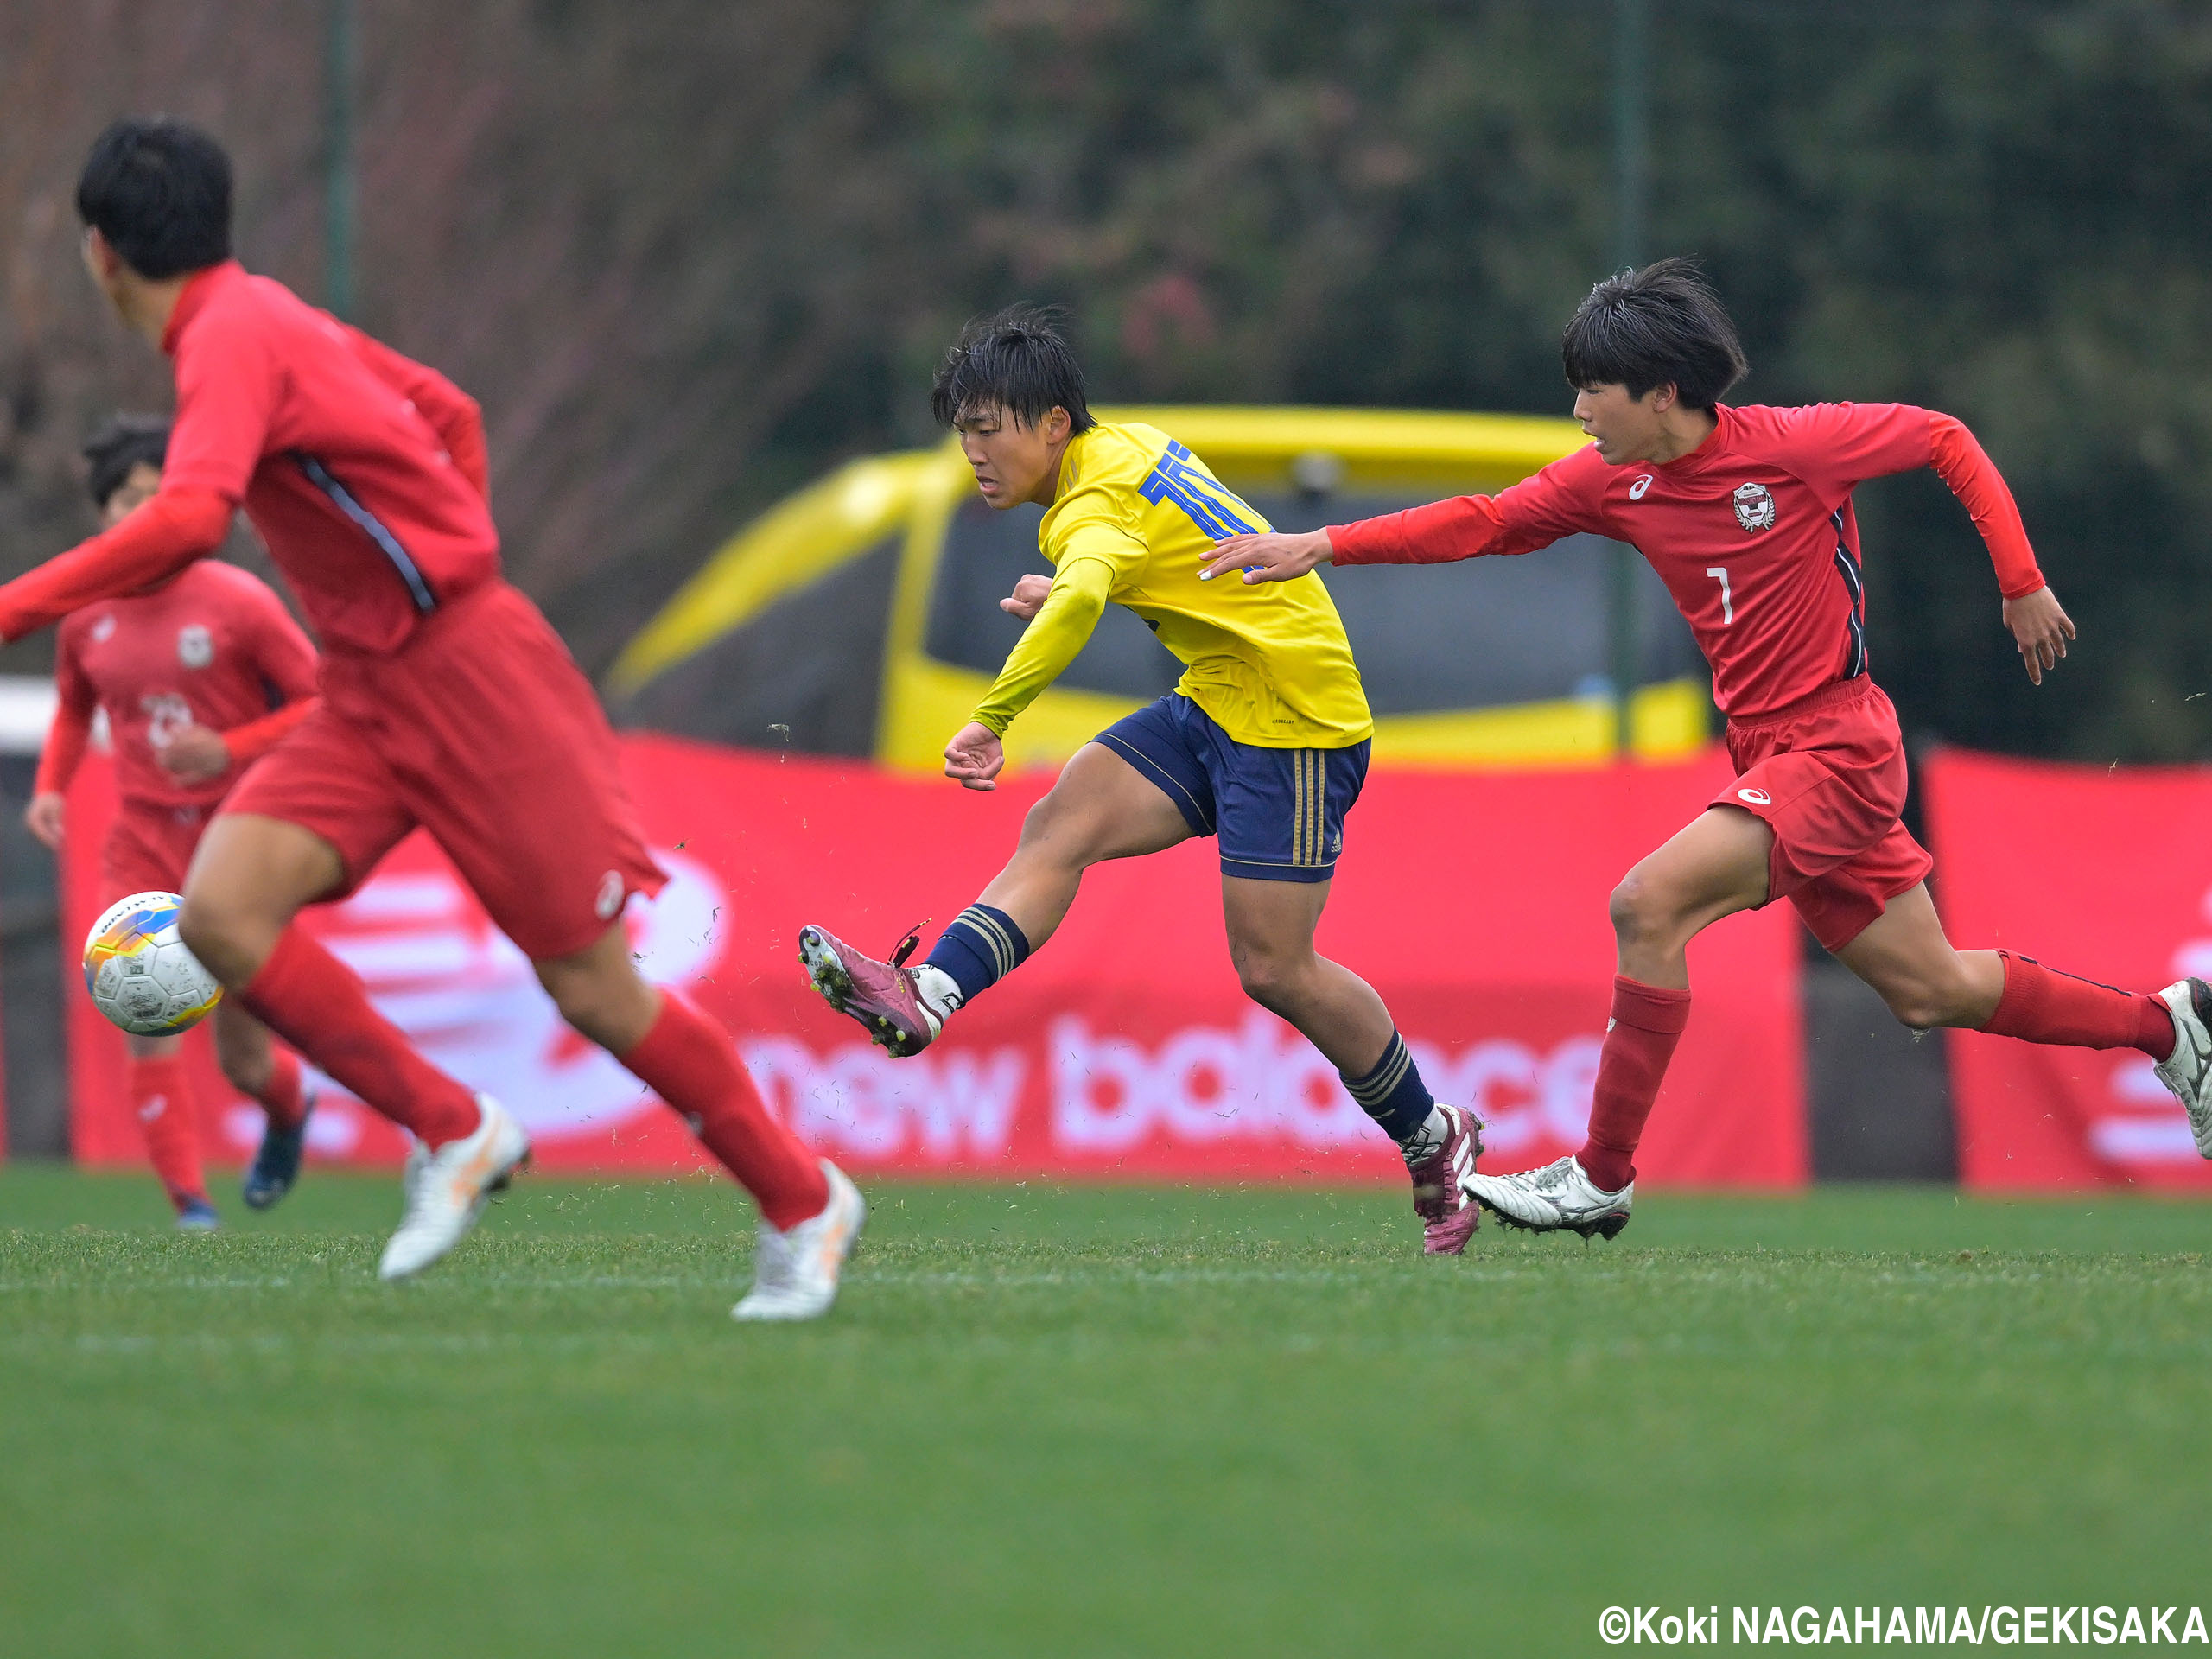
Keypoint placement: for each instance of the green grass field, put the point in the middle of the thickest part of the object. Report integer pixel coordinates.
(1080, 1421)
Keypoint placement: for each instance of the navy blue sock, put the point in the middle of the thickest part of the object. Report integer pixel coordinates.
(980, 948)
(1393, 1093)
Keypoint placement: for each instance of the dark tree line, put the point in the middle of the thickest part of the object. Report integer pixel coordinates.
(688, 253)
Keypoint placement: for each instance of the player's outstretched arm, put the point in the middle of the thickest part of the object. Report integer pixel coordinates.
(1276, 556)
(159, 539)
(1533, 513)
(2041, 629)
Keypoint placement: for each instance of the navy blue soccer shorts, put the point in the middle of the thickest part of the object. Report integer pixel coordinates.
(1279, 813)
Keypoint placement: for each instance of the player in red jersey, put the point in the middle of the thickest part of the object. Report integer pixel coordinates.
(446, 702)
(186, 670)
(1746, 515)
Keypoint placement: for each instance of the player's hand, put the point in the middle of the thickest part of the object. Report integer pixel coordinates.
(2040, 627)
(974, 756)
(43, 818)
(1027, 597)
(195, 755)
(1274, 558)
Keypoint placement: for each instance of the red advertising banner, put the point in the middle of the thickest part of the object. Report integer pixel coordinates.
(1475, 903)
(2104, 874)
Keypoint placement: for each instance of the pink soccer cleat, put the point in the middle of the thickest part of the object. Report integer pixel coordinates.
(1449, 1216)
(882, 995)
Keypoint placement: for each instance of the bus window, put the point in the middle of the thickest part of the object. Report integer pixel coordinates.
(1431, 638)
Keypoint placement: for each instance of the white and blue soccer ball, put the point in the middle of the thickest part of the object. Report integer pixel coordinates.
(139, 973)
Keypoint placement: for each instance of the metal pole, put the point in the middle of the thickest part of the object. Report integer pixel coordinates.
(1631, 189)
(338, 159)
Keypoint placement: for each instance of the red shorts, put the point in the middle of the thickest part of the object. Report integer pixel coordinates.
(1827, 774)
(482, 730)
(149, 847)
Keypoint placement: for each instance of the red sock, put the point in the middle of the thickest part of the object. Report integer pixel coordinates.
(690, 1062)
(315, 1002)
(161, 1099)
(1640, 1040)
(2040, 1005)
(280, 1096)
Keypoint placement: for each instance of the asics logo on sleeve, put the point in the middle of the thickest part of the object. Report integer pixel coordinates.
(1756, 797)
(1636, 490)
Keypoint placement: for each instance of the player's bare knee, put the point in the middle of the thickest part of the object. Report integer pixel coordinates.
(1270, 978)
(1265, 986)
(607, 1002)
(221, 935)
(1641, 912)
(583, 1001)
(245, 1065)
(1054, 841)
(1927, 1005)
(1915, 1010)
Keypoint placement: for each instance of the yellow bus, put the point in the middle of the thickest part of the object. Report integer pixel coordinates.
(860, 616)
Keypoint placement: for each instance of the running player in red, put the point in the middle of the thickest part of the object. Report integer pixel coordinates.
(185, 670)
(446, 702)
(1746, 515)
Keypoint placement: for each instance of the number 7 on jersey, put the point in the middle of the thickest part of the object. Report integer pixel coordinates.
(1728, 602)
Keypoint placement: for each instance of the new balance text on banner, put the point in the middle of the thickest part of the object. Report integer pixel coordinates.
(1476, 904)
(2104, 874)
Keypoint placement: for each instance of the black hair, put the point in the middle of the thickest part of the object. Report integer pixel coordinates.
(1017, 363)
(122, 444)
(1662, 325)
(159, 190)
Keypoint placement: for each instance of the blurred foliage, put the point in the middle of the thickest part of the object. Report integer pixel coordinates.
(688, 253)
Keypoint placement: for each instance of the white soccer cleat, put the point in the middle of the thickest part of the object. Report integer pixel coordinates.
(448, 1190)
(794, 1272)
(2188, 1069)
(1558, 1197)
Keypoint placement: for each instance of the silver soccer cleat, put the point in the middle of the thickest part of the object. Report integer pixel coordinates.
(1557, 1198)
(2188, 1069)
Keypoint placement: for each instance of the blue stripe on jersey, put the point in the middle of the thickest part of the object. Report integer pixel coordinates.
(410, 572)
(1174, 477)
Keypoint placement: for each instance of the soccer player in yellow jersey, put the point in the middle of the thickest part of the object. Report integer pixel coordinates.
(1263, 744)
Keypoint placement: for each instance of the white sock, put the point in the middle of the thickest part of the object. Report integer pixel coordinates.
(940, 992)
(1427, 1140)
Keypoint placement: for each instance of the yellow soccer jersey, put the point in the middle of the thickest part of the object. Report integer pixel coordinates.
(1136, 518)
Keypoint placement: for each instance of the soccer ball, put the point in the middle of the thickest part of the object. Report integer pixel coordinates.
(139, 973)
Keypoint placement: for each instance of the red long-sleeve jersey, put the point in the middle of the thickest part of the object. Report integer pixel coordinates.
(213, 648)
(1752, 532)
(363, 471)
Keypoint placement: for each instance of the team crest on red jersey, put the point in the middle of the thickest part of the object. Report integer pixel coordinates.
(1754, 507)
(196, 646)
